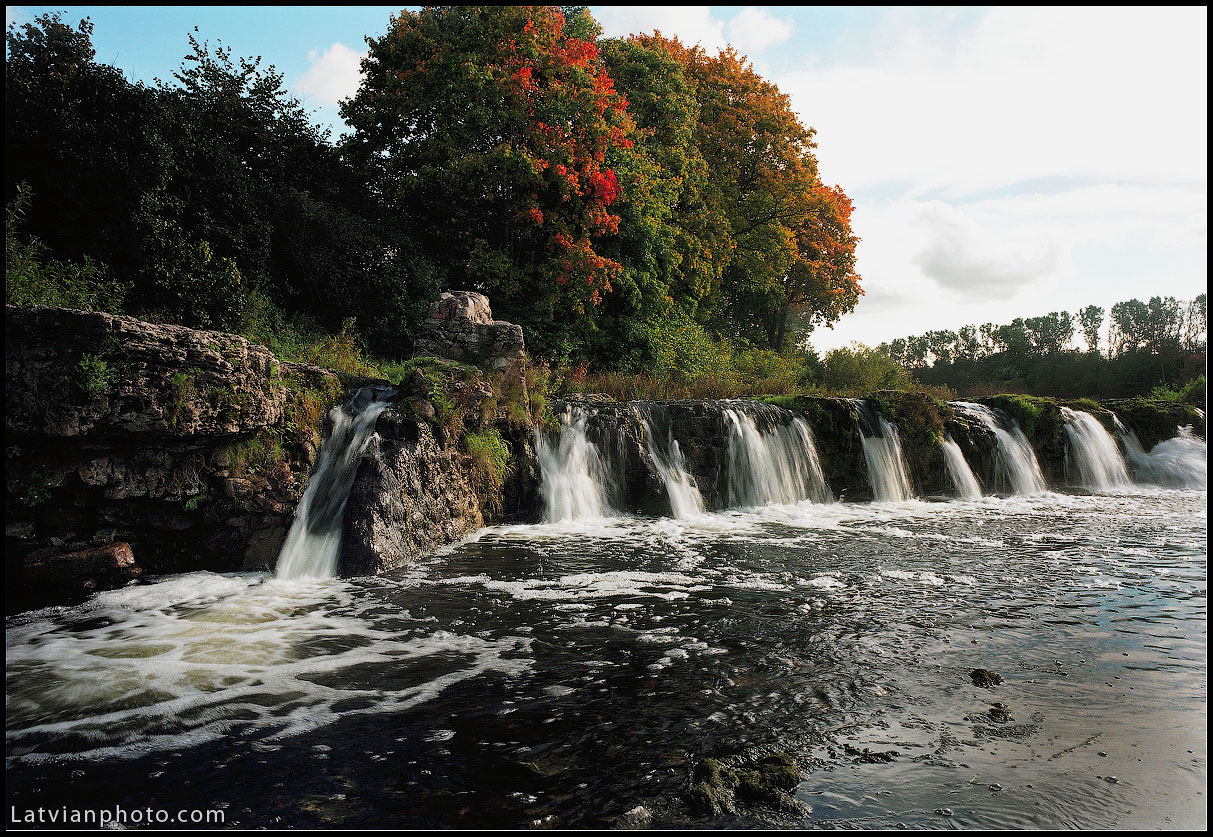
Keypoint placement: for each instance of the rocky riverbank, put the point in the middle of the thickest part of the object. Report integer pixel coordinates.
(139, 448)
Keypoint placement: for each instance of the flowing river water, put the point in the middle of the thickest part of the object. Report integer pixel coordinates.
(565, 674)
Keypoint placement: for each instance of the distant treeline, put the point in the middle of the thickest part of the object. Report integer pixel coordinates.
(1160, 343)
(604, 193)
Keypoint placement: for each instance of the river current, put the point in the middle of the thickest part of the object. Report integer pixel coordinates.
(568, 674)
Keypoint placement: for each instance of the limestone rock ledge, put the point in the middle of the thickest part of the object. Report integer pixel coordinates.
(174, 442)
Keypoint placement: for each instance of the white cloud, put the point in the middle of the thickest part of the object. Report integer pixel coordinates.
(1028, 93)
(967, 258)
(332, 75)
(1043, 159)
(753, 30)
(691, 24)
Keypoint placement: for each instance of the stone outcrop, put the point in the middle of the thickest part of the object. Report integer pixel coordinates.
(191, 447)
(136, 448)
(618, 431)
(412, 497)
(77, 373)
(460, 326)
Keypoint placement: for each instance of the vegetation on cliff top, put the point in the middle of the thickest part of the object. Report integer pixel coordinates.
(650, 213)
(595, 189)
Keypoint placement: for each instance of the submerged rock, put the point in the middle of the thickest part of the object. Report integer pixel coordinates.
(745, 785)
(984, 678)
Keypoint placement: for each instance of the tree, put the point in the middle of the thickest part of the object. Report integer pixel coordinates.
(1091, 319)
(1196, 324)
(490, 128)
(1049, 334)
(1129, 327)
(791, 244)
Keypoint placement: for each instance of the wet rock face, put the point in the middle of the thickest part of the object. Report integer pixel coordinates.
(410, 497)
(73, 575)
(166, 439)
(416, 492)
(461, 327)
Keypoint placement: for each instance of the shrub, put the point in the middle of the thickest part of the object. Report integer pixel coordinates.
(31, 278)
(858, 370)
(492, 464)
(92, 376)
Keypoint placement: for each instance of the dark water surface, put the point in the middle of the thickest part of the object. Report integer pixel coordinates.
(563, 675)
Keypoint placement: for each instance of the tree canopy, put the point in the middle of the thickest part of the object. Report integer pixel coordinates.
(596, 189)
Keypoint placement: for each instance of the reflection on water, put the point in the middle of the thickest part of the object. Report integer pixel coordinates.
(566, 673)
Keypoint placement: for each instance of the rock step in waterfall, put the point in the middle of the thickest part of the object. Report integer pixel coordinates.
(1179, 462)
(778, 466)
(1016, 470)
(967, 486)
(882, 451)
(313, 543)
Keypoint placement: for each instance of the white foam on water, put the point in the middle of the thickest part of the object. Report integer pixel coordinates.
(198, 657)
(580, 587)
(1180, 462)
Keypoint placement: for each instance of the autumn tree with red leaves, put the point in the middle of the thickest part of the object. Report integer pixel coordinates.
(492, 128)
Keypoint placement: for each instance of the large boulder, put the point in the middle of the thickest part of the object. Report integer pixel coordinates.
(461, 327)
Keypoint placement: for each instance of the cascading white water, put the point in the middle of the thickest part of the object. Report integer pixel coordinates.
(1092, 458)
(781, 466)
(311, 547)
(1016, 468)
(887, 471)
(685, 499)
(967, 486)
(1179, 462)
(573, 476)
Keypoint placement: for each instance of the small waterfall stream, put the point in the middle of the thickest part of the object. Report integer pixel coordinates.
(1016, 468)
(685, 498)
(311, 546)
(778, 466)
(1092, 458)
(1180, 462)
(967, 486)
(575, 478)
(887, 471)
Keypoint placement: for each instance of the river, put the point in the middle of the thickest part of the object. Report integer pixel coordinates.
(567, 674)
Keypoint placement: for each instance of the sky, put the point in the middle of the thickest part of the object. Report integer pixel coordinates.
(1003, 162)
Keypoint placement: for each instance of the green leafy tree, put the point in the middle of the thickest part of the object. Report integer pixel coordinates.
(1091, 320)
(791, 244)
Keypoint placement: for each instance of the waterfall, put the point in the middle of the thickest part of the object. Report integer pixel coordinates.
(573, 475)
(1180, 462)
(1015, 465)
(778, 466)
(1092, 457)
(310, 550)
(967, 486)
(882, 452)
(685, 499)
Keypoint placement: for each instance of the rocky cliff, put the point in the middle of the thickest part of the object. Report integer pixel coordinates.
(138, 448)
